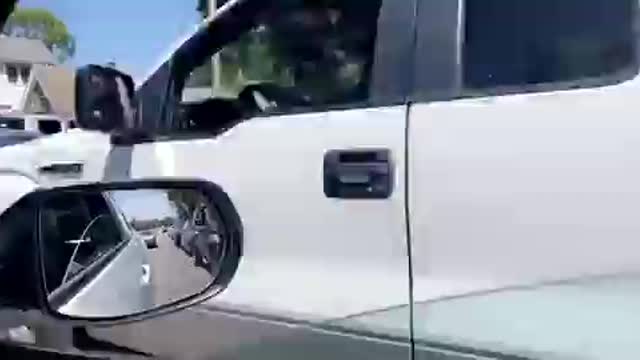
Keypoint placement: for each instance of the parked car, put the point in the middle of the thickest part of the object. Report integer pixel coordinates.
(199, 238)
(181, 222)
(149, 237)
(44, 124)
(12, 137)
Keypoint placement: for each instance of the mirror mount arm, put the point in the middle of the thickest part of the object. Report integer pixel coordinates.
(130, 137)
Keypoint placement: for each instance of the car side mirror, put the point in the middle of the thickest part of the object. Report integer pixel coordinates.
(105, 101)
(104, 98)
(115, 277)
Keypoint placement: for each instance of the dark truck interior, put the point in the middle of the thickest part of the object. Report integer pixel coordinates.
(215, 115)
(307, 48)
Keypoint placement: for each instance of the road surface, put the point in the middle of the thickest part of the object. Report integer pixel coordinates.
(173, 273)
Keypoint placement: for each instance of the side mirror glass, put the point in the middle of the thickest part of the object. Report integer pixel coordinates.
(110, 252)
(104, 98)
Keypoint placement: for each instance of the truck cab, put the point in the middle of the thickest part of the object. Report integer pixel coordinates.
(391, 160)
(400, 153)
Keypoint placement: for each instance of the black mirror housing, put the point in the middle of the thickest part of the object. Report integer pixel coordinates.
(104, 99)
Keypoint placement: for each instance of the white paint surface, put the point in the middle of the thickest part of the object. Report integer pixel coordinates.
(303, 253)
(525, 188)
(14, 187)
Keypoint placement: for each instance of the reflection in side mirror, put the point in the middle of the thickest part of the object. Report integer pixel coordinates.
(150, 238)
(118, 252)
(104, 99)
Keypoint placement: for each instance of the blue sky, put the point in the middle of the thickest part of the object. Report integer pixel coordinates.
(143, 204)
(133, 33)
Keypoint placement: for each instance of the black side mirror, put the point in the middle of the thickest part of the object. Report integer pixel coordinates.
(104, 98)
(105, 101)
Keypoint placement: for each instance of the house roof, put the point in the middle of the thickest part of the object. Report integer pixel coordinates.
(22, 50)
(58, 85)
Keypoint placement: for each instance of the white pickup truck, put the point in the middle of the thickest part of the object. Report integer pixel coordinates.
(468, 161)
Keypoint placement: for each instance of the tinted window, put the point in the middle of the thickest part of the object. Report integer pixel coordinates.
(49, 126)
(12, 123)
(523, 43)
(77, 230)
(25, 71)
(105, 232)
(312, 56)
(12, 73)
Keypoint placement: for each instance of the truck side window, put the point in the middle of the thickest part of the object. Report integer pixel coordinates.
(302, 58)
(105, 233)
(49, 126)
(521, 44)
(63, 218)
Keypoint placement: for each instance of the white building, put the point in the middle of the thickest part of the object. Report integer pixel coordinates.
(17, 58)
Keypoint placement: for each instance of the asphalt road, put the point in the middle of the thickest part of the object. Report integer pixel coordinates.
(199, 334)
(173, 273)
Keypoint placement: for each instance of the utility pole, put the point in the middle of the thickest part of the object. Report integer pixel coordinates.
(215, 59)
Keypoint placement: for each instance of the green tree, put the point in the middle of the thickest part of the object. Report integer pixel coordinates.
(41, 24)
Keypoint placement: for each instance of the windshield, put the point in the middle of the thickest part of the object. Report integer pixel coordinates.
(49, 126)
(13, 123)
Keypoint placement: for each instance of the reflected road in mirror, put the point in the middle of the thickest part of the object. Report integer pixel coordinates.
(174, 272)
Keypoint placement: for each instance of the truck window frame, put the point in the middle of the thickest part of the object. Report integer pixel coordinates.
(389, 79)
(388, 76)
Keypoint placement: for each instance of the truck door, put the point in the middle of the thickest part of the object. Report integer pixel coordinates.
(522, 168)
(320, 186)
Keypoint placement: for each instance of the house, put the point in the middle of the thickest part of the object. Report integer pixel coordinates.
(35, 92)
(47, 103)
(18, 56)
(49, 90)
